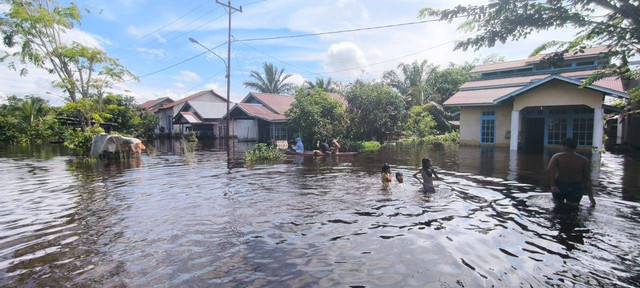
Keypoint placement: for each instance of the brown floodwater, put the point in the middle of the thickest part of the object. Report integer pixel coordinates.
(168, 219)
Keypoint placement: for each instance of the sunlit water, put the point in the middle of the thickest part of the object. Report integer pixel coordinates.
(170, 220)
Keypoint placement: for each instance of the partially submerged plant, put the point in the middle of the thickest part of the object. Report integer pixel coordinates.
(263, 152)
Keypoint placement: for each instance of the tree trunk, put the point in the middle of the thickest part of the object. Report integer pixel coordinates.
(83, 124)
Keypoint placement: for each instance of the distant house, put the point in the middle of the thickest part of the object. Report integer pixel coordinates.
(168, 112)
(153, 105)
(204, 118)
(530, 105)
(260, 117)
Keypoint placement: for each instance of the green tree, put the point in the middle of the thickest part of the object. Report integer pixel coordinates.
(272, 81)
(412, 81)
(493, 58)
(326, 85)
(614, 23)
(28, 119)
(316, 116)
(37, 27)
(375, 111)
(419, 123)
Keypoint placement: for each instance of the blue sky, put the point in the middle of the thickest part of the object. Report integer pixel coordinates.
(149, 35)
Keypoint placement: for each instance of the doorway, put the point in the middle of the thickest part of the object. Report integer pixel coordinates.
(534, 135)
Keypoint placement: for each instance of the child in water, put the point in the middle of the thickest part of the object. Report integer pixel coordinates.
(428, 174)
(399, 177)
(386, 175)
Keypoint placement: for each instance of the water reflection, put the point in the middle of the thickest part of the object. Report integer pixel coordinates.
(164, 220)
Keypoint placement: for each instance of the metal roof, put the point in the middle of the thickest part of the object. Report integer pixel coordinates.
(209, 110)
(528, 62)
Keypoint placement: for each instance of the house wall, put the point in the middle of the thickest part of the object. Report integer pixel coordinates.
(470, 123)
(558, 93)
(245, 129)
(162, 114)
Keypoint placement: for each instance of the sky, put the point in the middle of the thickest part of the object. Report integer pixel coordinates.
(147, 36)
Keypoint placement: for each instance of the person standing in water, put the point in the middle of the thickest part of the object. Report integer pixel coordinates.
(299, 146)
(385, 176)
(569, 175)
(428, 173)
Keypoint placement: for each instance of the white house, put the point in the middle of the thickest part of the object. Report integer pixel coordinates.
(167, 113)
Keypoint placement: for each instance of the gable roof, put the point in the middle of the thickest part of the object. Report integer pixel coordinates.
(260, 111)
(278, 103)
(273, 106)
(491, 92)
(151, 103)
(524, 63)
(189, 117)
(209, 110)
(191, 97)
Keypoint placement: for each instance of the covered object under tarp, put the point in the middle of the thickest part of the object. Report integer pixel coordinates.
(115, 145)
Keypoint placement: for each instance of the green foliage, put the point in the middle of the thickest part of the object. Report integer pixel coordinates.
(80, 142)
(316, 116)
(144, 124)
(263, 152)
(634, 100)
(451, 138)
(326, 85)
(370, 146)
(28, 119)
(375, 111)
(272, 81)
(616, 26)
(419, 123)
(350, 145)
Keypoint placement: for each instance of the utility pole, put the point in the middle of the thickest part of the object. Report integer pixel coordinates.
(230, 9)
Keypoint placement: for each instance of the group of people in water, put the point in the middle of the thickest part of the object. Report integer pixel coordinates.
(322, 148)
(569, 175)
(427, 172)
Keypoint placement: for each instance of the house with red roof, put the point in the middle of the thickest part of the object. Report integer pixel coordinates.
(167, 113)
(261, 117)
(153, 105)
(531, 104)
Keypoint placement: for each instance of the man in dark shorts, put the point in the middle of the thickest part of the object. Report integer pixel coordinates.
(323, 149)
(569, 175)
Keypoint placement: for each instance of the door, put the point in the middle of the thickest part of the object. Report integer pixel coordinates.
(534, 135)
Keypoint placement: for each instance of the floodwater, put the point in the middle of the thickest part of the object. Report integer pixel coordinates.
(200, 220)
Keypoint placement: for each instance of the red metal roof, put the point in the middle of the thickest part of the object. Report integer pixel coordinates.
(592, 51)
(276, 102)
(260, 111)
(151, 103)
(191, 97)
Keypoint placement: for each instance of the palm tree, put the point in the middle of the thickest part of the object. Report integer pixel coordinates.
(415, 84)
(31, 110)
(326, 85)
(273, 80)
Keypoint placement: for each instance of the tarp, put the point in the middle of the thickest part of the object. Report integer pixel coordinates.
(114, 143)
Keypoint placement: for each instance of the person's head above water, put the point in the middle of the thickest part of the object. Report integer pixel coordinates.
(426, 163)
(568, 144)
(386, 168)
(399, 177)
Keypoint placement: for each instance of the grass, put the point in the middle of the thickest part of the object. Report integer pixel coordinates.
(359, 146)
(452, 138)
(261, 152)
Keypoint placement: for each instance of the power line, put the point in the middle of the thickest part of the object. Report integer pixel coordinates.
(174, 65)
(338, 31)
(282, 61)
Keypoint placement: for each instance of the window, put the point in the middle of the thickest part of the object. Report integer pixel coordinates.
(585, 63)
(488, 127)
(278, 132)
(557, 131)
(583, 130)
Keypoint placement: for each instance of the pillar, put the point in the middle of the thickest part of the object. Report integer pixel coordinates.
(598, 127)
(515, 130)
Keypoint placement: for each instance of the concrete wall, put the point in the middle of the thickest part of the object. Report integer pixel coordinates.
(558, 93)
(470, 123)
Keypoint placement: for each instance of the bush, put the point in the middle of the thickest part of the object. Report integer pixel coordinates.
(80, 143)
(316, 116)
(448, 139)
(262, 152)
(370, 146)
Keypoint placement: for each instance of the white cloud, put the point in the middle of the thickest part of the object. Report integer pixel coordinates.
(87, 39)
(160, 38)
(151, 53)
(344, 55)
(187, 76)
(179, 85)
(216, 88)
(296, 79)
(134, 31)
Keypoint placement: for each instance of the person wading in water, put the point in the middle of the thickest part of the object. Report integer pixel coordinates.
(569, 175)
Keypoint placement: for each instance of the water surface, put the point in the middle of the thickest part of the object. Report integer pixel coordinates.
(168, 219)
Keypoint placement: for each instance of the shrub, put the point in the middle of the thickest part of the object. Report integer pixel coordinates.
(80, 143)
(369, 146)
(262, 152)
(350, 146)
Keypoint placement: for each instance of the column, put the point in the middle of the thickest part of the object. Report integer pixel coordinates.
(515, 130)
(598, 127)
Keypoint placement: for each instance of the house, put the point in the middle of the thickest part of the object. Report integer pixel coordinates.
(205, 118)
(261, 117)
(168, 112)
(153, 105)
(529, 104)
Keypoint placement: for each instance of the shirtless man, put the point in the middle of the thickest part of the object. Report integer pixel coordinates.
(569, 175)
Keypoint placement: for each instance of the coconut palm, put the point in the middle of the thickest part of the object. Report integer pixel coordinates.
(326, 85)
(415, 84)
(272, 81)
(31, 110)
